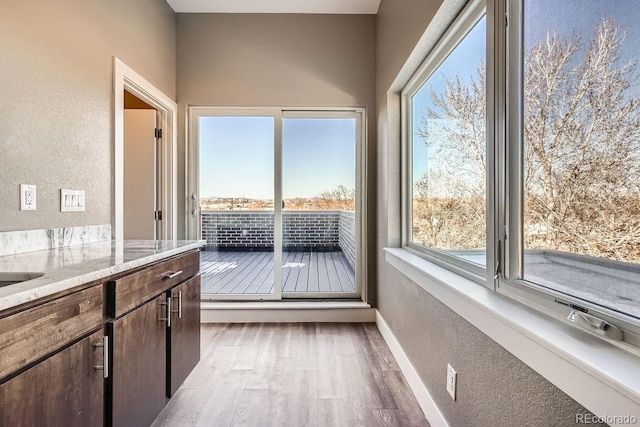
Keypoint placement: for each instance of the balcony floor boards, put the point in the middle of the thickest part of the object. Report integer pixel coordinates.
(242, 273)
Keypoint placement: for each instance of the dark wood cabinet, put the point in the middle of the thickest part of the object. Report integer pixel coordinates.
(155, 330)
(37, 332)
(183, 334)
(65, 389)
(138, 374)
(53, 352)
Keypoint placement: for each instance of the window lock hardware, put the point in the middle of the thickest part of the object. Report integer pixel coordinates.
(498, 256)
(597, 325)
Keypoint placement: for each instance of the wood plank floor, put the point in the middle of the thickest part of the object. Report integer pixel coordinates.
(252, 272)
(293, 375)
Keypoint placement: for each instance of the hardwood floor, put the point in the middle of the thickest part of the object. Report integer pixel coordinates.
(294, 375)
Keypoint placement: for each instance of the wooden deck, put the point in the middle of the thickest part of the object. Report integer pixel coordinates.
(252, 272)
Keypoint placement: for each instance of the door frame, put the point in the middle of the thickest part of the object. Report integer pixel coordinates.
(124, 77)
(192, 179)
(192, 173)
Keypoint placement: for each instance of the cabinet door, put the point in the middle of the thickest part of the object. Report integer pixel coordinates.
(184, 332)
(64, 390)
(139, 367)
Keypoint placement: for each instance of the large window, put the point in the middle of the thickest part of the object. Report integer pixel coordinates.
(578, 147)
(559, 146)
(447, 149)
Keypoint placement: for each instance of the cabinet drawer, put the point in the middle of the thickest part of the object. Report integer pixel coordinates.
(133, 290)
(32, 334)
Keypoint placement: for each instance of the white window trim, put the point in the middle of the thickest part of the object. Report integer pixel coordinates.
(502, 255)
(456, 32)
(508, 138)
(599, 375)
(602, 375)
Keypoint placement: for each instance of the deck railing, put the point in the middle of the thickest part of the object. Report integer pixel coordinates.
(318, 231)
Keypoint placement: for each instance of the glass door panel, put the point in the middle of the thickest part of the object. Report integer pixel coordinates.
(319, 202)
(236, 187)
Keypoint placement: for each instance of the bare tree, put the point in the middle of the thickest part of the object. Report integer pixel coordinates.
(449, 208)
(582, 142)
(581, 130)
(340, 198)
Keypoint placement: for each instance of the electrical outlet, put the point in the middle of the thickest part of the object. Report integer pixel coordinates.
(27, 197)
(451, 381)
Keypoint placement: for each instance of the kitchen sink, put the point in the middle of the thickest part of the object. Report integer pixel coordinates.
(11, 278)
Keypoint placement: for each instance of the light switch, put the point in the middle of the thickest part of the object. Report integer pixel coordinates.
(72, 200)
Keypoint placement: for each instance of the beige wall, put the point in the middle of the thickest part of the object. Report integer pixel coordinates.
(278, 60)
(494, 388)
(56, 98)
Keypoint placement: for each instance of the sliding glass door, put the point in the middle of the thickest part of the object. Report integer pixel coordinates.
(319, 200)
(276, 196)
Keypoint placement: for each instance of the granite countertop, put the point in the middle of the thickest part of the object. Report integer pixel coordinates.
(67, 267)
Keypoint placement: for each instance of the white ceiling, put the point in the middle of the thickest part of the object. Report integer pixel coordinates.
(276, 6)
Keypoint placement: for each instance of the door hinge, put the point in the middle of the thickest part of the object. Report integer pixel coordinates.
(158, 133)
(158, 215)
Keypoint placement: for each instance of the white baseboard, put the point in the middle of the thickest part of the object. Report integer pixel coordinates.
(426, 402)
(275, 312)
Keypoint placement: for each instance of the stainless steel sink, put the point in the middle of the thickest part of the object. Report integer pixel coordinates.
(11, 278)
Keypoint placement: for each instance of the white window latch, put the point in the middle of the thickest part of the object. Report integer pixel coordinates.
(597, 325)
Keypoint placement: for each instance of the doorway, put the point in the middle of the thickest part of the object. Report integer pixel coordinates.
(277, 194)
(126, 79)
(141, 167)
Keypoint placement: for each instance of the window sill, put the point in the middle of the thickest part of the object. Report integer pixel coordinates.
(602, 377)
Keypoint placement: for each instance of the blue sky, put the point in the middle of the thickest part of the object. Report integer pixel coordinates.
(236, 156)
(567, 17)
(463, 61)
(317, 155)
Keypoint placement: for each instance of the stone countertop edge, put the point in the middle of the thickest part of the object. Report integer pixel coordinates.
(57, 279)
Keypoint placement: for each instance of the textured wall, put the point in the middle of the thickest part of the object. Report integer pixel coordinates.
(56, 98)
(494, 388)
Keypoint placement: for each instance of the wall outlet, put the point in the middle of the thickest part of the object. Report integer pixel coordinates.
(27, 197)
(451, 381)
(72, 200)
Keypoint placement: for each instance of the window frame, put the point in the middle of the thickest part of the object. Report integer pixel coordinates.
(468, 18)
(512, 192)
(504, 186)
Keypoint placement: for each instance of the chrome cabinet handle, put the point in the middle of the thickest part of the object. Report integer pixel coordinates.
(105, 356)
(179, 310)
(172, 275)
(168, 318)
